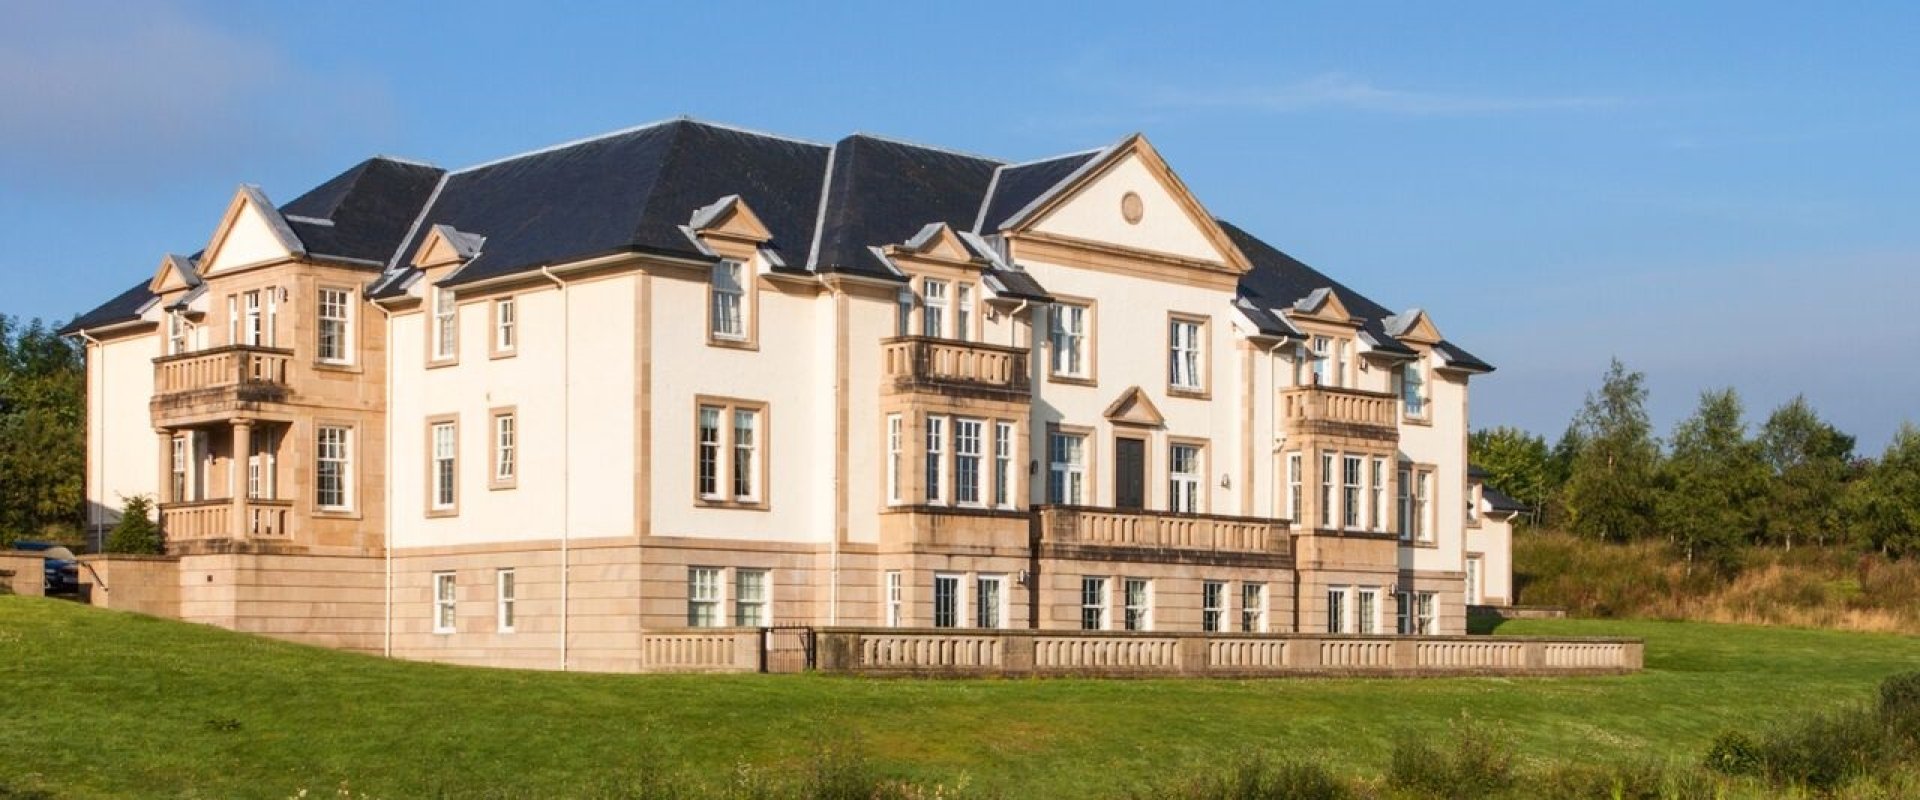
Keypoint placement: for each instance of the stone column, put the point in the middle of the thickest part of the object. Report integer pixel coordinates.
(242, 452)
(164, 492)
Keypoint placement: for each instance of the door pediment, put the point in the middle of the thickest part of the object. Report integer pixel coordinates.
(1134, 407)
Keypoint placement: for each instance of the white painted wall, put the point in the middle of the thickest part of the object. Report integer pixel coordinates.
(250, 241)
(123, 452)
(1094, 214)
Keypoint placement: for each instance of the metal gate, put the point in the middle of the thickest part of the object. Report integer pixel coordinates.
(787, 648)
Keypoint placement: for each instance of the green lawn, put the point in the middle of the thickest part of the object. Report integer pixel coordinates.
(104, 703)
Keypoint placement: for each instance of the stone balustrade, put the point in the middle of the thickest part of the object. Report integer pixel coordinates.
(926, 652)
(221, 368)
(1311, 406)
(1082, 525)
(701, 650)
(214, 519)
(919, 361)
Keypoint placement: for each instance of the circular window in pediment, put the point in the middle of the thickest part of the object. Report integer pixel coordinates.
(1131, 208)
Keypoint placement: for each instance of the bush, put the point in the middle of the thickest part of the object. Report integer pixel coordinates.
(1477, 762)
(1900, 705)
(1823, 751)
(1733, 753)
(136, 532)
(1255, 778)
(1637, 781)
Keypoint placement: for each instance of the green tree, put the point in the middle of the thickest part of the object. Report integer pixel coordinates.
(135, 532)
(42, 432)
(1714, 482)
(1610, 483)
(1810, 462)
(1516, 462)
(1884, 504)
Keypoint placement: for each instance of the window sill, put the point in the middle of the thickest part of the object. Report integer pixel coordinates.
(1189, 394)
(438, 513)
(338, 366)
(731, 505)
(1072, 380)
(496, 355)
(732, 344)
(336, 513)
(503, 485)
(438, 363)
(1424, 420)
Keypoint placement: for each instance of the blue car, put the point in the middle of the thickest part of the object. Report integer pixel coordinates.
(63, 570)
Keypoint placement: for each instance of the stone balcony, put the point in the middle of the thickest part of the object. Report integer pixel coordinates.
(920, 363)
(1082, 527)
(188, 525)
(1340, 412)
(209, 384)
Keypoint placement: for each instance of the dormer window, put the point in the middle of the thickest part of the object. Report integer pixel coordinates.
(727, 313)
(177, 329)
(933, 311)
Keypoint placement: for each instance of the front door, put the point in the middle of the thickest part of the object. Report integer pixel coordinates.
(1129, 473)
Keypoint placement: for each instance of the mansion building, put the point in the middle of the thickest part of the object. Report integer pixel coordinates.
(688, 376)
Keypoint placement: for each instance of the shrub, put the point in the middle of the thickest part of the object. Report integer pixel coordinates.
(1577, 781)
(136, 532)
(1255, 778)
(1822, 752)
(1477, 762)
(1900, 705)
(1733, 753)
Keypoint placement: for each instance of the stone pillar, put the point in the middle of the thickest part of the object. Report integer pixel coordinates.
(164, 492)
(242, 452)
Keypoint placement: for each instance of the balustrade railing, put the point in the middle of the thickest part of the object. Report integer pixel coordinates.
(1130, 528)
(219, 368)
(924, 360)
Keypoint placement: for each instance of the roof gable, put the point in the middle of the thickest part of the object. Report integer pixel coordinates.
(730, 218)
(444, 246)
(1129, 197)
(251, 232)
(1412, 325)
(176, 272)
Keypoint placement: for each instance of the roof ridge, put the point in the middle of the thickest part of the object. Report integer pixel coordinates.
(568, 144)
(414, 230)
(1092, 151)
(404, 160)
(667, 161)
(820, 214)
(924, 146)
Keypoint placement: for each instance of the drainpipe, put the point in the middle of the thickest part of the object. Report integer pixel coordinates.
(566, 454)
(833, 537)
(386, 549)
(93, 514)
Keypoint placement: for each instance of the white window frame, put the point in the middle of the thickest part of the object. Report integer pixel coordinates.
(445, 466)
(706, 597)
(1186, 356)
(1296, 487)
(933, 308)
(727, 301)
(1475, 567)
(446, 324)
(744, 466)
(253, 325)
(753, 609)
(903, 302)
(177, 482)
(1067, 340)
(995, 616)
(1185, 480)
(1253, 607)
(1352, 476)
(708, 472)
(1138, 604)
(1403, 504)
(957, 600)
(1213, 606)
(1427, 612)
(1322, 360)
(1423, 505)
(936, 460)
(895, 597)
(177, 330)
(1327, 493)
(1003, 464)
(1413, 390)
(895, 455)
(969, 437)
(1377, 489)
(446, 599)
(506, 596)
(506, 325)
(1338, 619)
(1366, 615)
(506, 446)
(1067, 479)
(339, 452)
(963, 312)
(336, 313)
(1093, 603)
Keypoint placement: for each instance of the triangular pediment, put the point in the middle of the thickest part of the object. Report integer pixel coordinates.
(730, 217)
(251, 232)
(444, 245)
(1412, 325)
(937, 241)
(1323, 305)
(1128, 197)
(1133, 407)
(175, 273)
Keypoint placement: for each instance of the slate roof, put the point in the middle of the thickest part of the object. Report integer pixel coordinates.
(882, 192)
(1499, 501)
(362, 214)
(826, 206)
(124, 307)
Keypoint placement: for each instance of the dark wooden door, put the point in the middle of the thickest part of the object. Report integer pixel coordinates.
(1129, 473)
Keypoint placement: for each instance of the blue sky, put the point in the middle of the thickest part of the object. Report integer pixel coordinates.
(1721, 194)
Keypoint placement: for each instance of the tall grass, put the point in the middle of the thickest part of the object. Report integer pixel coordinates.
(1806, 586)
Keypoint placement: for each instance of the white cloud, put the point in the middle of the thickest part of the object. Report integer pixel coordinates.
(1340, 91)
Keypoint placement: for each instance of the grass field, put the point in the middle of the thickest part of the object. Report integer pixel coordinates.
(104, 703)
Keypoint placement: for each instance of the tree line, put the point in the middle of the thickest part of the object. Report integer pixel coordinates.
(1713, 484)
(43, 433)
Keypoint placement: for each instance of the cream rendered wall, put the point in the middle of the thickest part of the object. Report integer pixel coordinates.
(1130, 349)
(123, 452)
(1094, 214)
(869, 320)
(575, 436)
(1443, 444)
(250, 241)
(1493, 540)
(784, 372)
